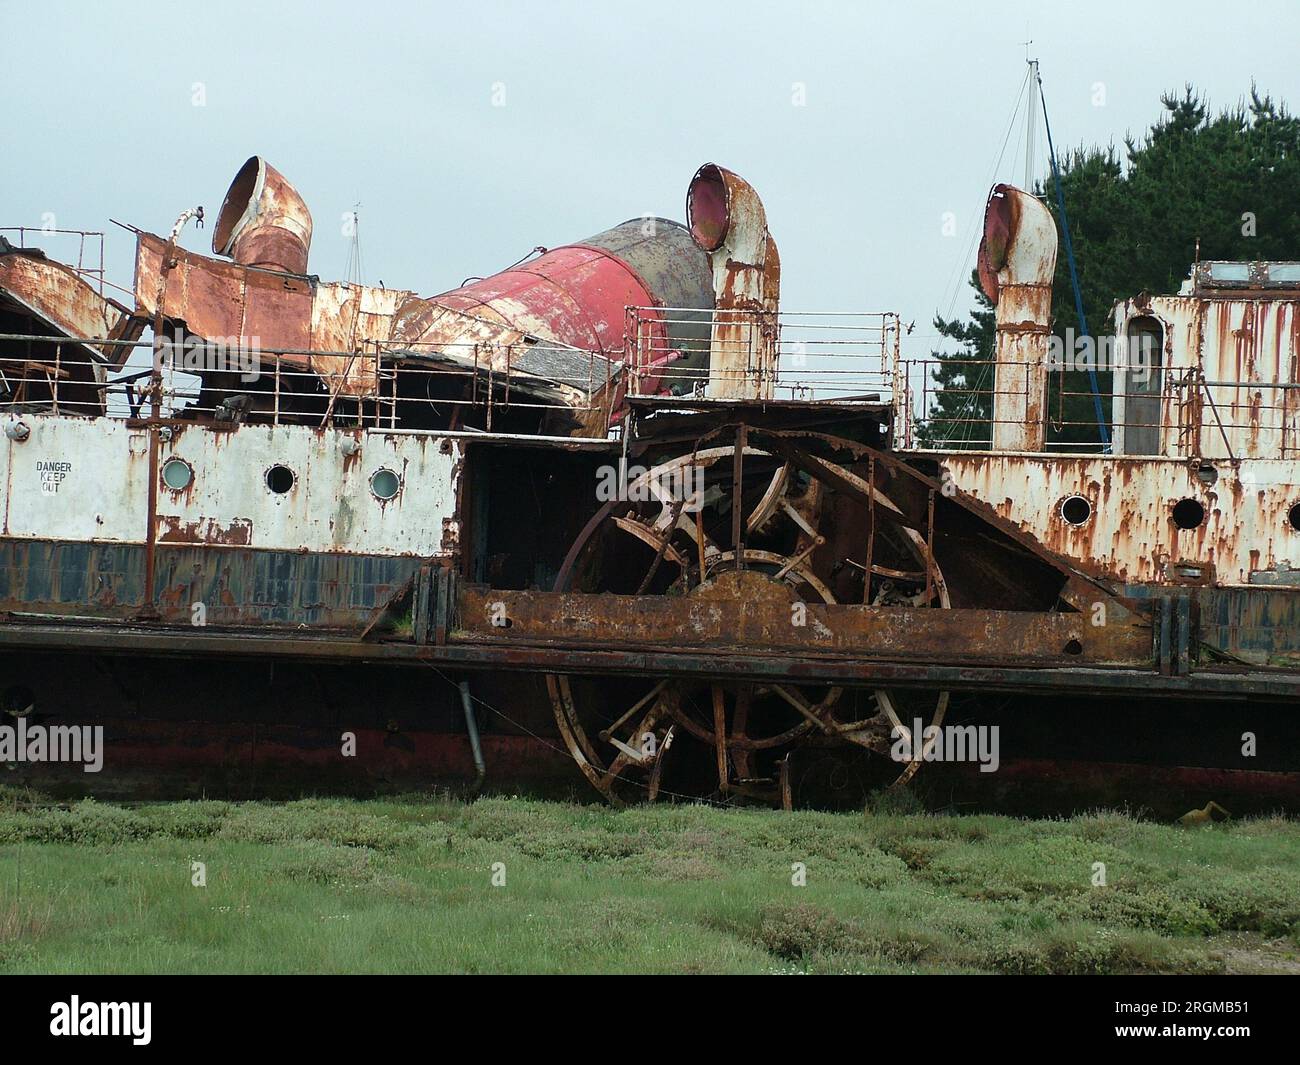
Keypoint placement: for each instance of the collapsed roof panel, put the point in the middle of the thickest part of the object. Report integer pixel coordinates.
(560, 317)
(273, 310)
(57, 295)
(40, 296)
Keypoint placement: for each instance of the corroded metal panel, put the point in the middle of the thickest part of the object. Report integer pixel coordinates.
(1229, 374)
(56, 293)
(721, 622)
(1256, 625)
(244, 587)
(1130, 532)
(72, 578)
(75, 479)
(78, 479)
(330, 505)
(235, 587)
(272, 311)
(348, 317)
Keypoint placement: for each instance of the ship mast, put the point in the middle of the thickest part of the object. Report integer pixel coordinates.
(1031, 121)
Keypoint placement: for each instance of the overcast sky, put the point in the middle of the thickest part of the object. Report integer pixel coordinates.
(861, 125)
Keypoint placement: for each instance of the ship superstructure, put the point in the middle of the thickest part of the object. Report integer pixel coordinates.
(621, 467)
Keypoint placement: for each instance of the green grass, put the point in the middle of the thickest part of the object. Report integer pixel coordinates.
(404, 885)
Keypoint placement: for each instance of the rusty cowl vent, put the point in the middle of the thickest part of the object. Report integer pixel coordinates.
(1017, 260)
(263, 221)
(1019, 243)
(727, 220)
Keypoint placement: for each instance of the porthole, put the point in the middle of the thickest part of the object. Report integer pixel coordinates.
(177, 474)
(1076, 510)
(385, 484)
(1293, 517)
(279, 479)
(1188, 514)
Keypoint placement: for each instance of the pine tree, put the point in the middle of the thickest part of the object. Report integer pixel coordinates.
(1231, 181)
(962, 411)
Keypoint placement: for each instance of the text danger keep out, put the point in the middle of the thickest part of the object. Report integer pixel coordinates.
(52, 474)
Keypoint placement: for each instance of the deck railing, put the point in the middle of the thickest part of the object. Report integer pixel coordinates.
(792, 355)
(672, 354)
(378, 386)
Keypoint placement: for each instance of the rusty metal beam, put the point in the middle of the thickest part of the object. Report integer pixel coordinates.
(992, 637)
(1236, 684)
(737, 495)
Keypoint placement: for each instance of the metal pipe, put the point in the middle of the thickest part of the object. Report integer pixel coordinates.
(727, 221)
(471, 726)
(155, 406)
(1017, 258)
(263, 221)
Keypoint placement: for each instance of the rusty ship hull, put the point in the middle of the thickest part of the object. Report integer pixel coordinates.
(301, 509)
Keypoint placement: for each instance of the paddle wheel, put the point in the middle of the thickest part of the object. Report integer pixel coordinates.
(778, 524)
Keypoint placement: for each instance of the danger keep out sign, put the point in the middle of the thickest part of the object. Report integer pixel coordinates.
(52, 474)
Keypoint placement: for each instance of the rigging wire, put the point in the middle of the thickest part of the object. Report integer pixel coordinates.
(354, 271)
(972, 229)
(1102, 429)
(963, 425)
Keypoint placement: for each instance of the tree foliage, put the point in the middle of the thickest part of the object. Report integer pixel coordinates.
(1229, 180)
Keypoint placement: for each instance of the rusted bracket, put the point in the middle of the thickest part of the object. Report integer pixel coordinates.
(436, 599)
(1175, 640)
(737, 500)
(1219, 421)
